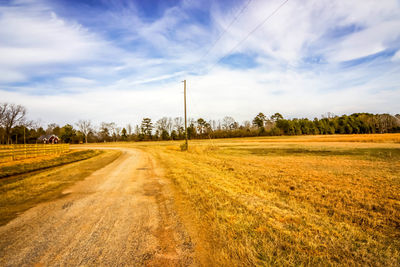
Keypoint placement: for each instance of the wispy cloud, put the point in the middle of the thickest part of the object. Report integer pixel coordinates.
(310, 58)
(36, 44)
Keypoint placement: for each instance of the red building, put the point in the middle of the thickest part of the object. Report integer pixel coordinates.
(49, 139)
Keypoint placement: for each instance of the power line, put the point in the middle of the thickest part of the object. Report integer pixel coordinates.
(249, 34)
(227, 28)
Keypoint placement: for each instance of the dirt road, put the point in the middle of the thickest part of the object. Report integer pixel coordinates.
(120, 215)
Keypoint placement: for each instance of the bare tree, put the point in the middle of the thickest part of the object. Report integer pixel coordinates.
(247, 124)
(3, 108)
(169, 125)
(85, 127)
(178, 125)
(129, 129)
(11, 115)
(137, 130)
(386, 122)
(117, 133)
(229, 123)
(397, 116)
(113, 130)
(327, 115)
(161, 124)
(213, 124)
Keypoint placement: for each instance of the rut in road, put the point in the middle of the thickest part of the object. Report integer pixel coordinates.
(120, 215)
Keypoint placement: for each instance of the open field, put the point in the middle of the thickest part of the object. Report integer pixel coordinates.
(310, 200)
(162, 133)
(18, 152)
(301, 200)
(39, 163)
(21, 192)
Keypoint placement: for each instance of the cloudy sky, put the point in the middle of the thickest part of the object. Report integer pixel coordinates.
(121, 60)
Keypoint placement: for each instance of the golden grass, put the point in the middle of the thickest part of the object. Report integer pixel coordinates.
(18, 152)
(304, 201)
(363, 138)
(49, 161)
(28, 160)
(368, 138)
(19, 193)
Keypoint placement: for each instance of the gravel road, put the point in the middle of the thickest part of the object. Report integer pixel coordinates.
(120, 215)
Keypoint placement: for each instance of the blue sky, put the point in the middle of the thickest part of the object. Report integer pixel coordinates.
(115, 60)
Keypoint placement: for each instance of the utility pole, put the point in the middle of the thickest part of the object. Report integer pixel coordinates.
(186, 133)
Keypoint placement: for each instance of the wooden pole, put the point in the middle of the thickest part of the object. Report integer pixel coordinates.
(186, 133)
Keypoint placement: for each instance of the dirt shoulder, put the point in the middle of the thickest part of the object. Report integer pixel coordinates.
(19, 193)
(121, 214)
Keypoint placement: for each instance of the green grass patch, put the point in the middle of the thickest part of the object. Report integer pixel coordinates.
(22, 192)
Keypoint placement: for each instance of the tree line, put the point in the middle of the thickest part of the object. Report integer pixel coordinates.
(16, 129)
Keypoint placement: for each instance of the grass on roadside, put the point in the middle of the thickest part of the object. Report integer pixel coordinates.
(19, 193)
(257, 203)
(20, 167)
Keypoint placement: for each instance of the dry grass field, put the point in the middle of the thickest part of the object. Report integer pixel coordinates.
(18, 152)
(300, 200)
(305, 200)
(22, 166)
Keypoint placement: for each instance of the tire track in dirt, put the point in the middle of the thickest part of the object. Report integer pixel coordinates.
(122, 214)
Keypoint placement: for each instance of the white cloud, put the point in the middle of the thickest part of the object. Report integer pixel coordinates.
(238, 93)
(76, 80)
(138, 75)
(396, 56)
(28, 38)
(10, 75)
(367, 42)
(301, 25)
(33, 37)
